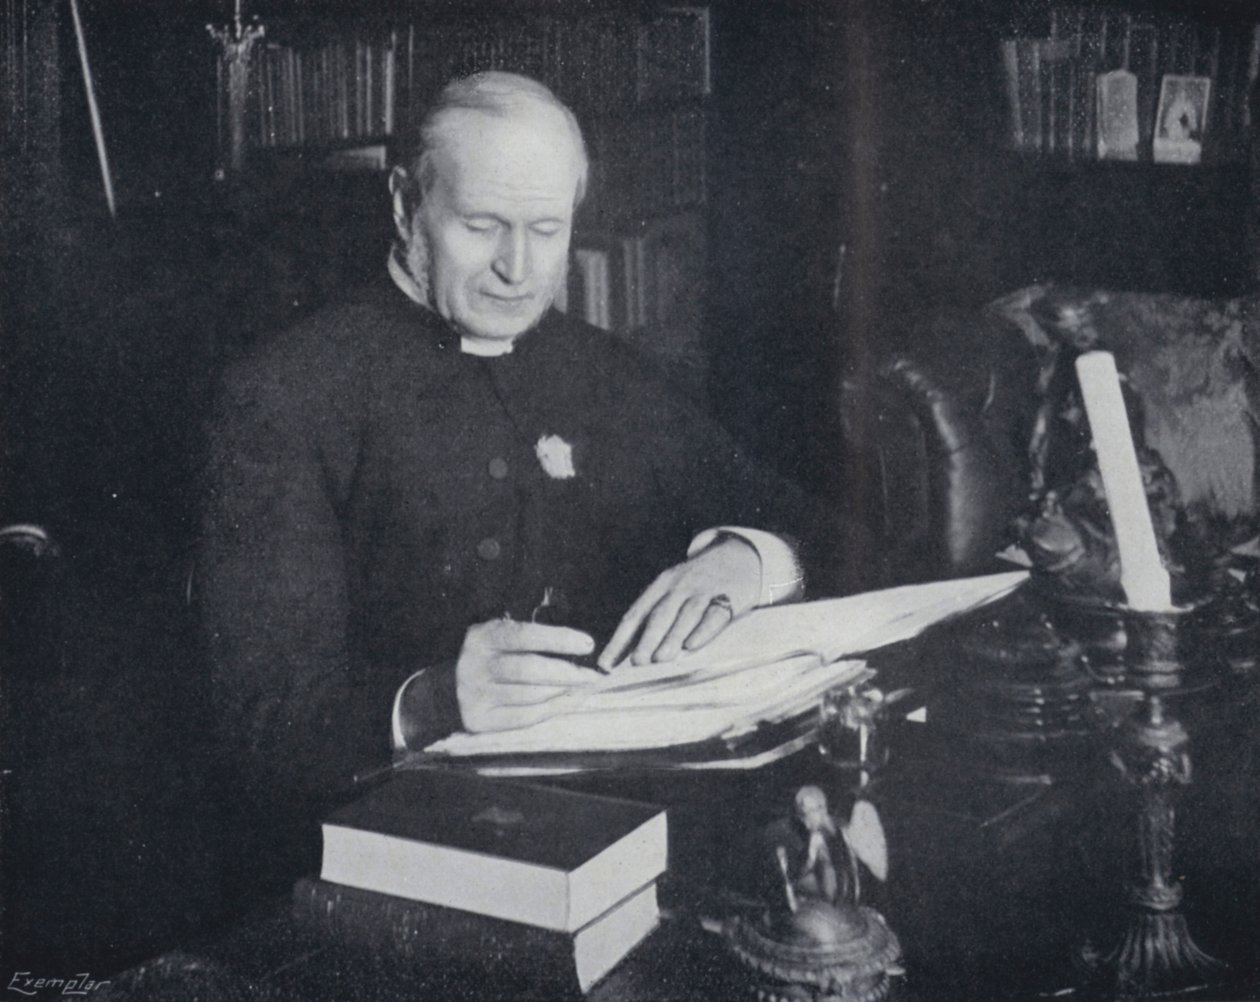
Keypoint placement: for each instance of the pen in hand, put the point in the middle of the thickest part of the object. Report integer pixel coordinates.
(552, 610)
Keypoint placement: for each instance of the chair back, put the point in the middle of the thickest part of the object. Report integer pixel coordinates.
(935, 439)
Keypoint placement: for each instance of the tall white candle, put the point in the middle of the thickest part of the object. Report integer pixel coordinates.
(1142, 574)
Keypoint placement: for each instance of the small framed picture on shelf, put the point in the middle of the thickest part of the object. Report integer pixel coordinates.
(1181, 122)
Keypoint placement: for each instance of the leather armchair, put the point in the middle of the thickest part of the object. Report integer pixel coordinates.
(935, 438)
(951, 429)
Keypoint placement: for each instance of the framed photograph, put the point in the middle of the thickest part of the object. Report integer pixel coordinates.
(1181, 122)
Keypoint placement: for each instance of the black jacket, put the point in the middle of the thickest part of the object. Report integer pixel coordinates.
(373, 492)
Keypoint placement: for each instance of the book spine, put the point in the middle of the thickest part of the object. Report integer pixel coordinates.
(1208, 52)
(632, 250)
(1030, 92)
(1144, 64)
(411, 931)
(389, 85)
(291, 107)
(367, 84)
(1115, 40)
(1010, 64)
(412, 97)
(1047, 73)
(300, 95)
(1071, 128)
(1181, 49)
(1056, 61)
(688, 144)
(269, 102)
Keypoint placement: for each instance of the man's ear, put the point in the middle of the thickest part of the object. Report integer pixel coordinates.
(400, 192)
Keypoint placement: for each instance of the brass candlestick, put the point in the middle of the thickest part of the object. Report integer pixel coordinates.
(237, 42)
(1157, 954)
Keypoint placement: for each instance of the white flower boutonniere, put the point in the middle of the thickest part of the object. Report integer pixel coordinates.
(556, 456)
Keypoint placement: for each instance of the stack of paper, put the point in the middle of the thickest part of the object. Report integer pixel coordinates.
(767, 667)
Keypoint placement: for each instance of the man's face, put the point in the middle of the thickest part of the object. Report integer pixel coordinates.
(498, 221)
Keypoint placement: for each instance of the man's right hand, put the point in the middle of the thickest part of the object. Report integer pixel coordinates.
(508, 672)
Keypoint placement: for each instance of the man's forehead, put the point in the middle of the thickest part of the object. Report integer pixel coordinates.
(529, 155)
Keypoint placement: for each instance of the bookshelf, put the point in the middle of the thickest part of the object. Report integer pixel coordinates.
(337, 91)
(1133, 225)
(30, 108)
(637, 80)
(1085, 82)
(1098, 187)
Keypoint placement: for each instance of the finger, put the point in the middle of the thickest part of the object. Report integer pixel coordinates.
(659, 620)
(528, 695)
(536, 669)
(542, 638)
(507, 718)
(716, 618)
(631, 622)
(688, 618)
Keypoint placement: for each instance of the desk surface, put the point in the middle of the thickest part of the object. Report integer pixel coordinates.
(994, 887)
(978, 918)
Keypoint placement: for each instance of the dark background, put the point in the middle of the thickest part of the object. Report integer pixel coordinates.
(874, 126)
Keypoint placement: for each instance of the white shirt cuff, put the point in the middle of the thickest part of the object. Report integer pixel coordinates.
(782, 579)
(396, 732)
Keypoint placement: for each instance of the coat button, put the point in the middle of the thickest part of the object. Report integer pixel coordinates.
(489, 549)
(498, 468)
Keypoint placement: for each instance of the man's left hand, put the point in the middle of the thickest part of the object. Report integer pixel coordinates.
(688, 605)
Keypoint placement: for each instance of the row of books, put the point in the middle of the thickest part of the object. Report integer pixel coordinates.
(361, 80)
(642, 281)
(321, 95)
(15, 71)
(1052, 82)
(641, 168)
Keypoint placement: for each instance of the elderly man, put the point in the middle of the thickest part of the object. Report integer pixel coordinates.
(426, 504)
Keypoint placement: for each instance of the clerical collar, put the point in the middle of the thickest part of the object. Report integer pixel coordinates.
(411, 289)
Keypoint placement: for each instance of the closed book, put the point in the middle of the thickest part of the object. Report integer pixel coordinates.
(408, 931)
(546, 857)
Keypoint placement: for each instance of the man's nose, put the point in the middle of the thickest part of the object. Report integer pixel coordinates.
(511, 263)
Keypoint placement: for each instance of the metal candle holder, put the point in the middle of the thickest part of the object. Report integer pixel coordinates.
(1157, 954)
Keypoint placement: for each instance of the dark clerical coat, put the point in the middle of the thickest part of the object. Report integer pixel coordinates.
(373, 491)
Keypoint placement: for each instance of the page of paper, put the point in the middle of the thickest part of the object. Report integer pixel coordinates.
(831, 628)
(714, 708)
(769, 665)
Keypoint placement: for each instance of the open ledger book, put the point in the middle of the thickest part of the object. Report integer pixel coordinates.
(764, 672)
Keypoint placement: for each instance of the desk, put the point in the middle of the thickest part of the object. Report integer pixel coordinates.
(996, 925)
(993, 886)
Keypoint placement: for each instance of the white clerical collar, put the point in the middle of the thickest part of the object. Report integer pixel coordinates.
(411, 289)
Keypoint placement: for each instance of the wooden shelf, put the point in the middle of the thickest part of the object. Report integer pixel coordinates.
(1147, 226)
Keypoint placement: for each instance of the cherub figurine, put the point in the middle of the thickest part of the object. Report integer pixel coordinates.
(823, 945)
(816, 858)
